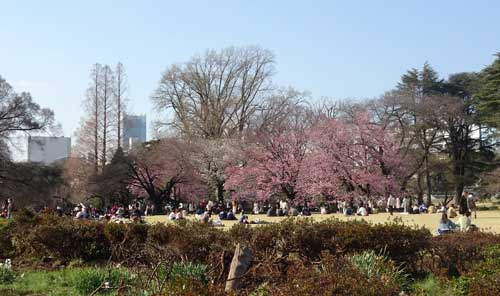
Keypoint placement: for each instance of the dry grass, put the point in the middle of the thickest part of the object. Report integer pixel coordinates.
(486, 220)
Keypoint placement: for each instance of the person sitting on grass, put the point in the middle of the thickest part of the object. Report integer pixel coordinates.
(362, 211)
(443, 208)
(172, 216)
(422, 208)
(205, 218)
(445, 225)
(82, 213)
(222, 215)
(179, 215)
(293, 212)
(452, 213)
(244, 219)
(279, 212)
(271, 212)
(306, 211)
(464, 222)
(230, 215)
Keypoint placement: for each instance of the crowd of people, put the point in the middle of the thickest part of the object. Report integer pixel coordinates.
(215, 213)
(116, 213)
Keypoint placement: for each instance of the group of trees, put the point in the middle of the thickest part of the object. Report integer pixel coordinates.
(335, 158)
(227, 131)
(100, 132)
(20, 115)
(443, 138)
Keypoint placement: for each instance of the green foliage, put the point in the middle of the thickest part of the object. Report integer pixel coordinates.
(7, 276)
(307, 238)
(459, 285)
(88, 280)
(261, 290)
(50, 283)
(430, 286)
(378, 266)
(458, 253)
(7, 249)
(334, 277)
(489, 94)
(62, 238)
(189, 271)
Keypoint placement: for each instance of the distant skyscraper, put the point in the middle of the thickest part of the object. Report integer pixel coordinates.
(47, 150)
(134, 130)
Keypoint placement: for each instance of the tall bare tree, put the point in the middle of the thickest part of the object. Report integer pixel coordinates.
(108, 116)
(97, 134)
(120, 93)
(88, 133)
(213, 96)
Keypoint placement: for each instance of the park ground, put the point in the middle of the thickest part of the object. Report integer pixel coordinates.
(486, 220)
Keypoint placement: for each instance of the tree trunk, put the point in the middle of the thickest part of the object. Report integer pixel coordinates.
(96, 121)
(420, 191)
(239, 266)
(220, 191)
(157, 203)
(119, 111)
(428, 181)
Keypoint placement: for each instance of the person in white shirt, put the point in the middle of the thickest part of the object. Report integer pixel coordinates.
(471, 204)
(391, 203)
(256, 209)
(362, 211)
(209, 206)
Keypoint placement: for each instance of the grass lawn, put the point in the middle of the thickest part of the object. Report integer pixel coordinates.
(50, 283)
(486, 220)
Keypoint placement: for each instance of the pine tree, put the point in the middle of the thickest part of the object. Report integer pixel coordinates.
(489, 94)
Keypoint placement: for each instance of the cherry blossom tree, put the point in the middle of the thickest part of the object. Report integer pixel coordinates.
(162, 171)
(270, 167)
(340, 159)
(349, 159)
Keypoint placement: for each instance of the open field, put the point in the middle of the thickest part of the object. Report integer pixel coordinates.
(486, 220)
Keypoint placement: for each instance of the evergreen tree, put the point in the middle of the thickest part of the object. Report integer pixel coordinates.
(489, 94)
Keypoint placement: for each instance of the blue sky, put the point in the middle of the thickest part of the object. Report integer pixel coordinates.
(338, 49)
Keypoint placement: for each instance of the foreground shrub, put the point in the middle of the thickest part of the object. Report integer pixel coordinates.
(483, 279)
(7, 249)
(7, 276)
(307, 238)
(63, 239)
(457, 253)
(127, 241)
(333, 276)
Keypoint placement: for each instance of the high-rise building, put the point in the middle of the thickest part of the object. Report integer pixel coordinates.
(48, 150)
(134, 130)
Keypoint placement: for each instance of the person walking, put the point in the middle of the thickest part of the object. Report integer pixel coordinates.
(391, 203)
(10, 208)
(463, 203)
(471, 204)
